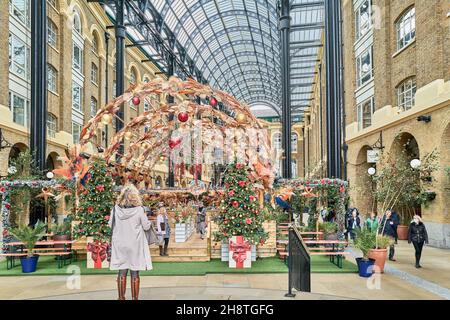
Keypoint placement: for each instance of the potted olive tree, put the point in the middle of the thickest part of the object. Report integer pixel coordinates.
(365, 241)
(379, 251)
(29, 236)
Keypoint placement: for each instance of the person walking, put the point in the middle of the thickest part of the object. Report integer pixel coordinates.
(201, 220)
(417, 234)
(387, 225)
(396, 219)
(372, 222)
(129, 246)
(354, 223)
(163, 227)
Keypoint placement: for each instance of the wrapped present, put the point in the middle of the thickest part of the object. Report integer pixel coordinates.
(98, 255)
(240, 254)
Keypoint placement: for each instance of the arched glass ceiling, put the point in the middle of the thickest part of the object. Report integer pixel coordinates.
(233, 44)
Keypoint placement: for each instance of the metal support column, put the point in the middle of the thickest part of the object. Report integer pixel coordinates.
(170, 99)
(285, 22)
(38, 130)
(120, 31)
(333, 53)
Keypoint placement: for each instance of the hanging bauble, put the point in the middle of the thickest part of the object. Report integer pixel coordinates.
(174, 142)
(106, 118)
(241, 118)
(183, 116)
(128, 135)
(136, 101)
(213, 102)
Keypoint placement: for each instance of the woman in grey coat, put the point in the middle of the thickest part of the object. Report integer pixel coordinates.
(129, 247)
(163, 230)
(201, 220)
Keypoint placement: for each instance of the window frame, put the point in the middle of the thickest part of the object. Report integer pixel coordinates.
(359, 66)
(403, 92)
(294, 142)
(400, 25)
(52, 33)
(94, 73)
(26, 21)
(360, 112)
(358, 15)
(26, 108)
(13, 64)
(52, 126)
(76, 84)
(77, 66)
(52, 74)
(92, 113)
(79, 126)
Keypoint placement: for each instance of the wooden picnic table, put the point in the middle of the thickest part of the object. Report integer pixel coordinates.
(18, 250)
(41, 243)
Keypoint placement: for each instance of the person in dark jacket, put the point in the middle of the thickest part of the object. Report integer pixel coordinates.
(396, 219)
(354, 223)
(417, 234)
(387, 229)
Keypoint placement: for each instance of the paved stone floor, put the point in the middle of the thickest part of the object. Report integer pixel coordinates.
(391, 285)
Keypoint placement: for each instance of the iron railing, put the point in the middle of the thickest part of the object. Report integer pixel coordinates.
(299, 263)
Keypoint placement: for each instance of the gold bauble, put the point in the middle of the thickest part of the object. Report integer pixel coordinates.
(128, 135)
(241, 118)
(106, 118)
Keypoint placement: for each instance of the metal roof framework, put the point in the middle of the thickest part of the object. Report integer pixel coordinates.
(234, 45)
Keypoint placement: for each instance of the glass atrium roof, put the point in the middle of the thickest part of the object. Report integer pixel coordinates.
(234, 44)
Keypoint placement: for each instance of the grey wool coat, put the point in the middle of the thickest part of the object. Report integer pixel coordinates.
(129, 248)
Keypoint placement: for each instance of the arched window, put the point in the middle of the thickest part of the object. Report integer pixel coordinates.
(133, 76)
(93, 107)
(294, 142)
(276, 141)
(406, 28)
(52, 126)
(52, 79)
(52, 33)
(95, 43)
(406, 93)
(76, 22)
(294, 169)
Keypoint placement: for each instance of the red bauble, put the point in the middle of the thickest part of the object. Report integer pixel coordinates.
(174, 142)
(235, 204)
(8, 206)
(136, 101)
(241, 183)
(107, 218)
(213, 102)
(183, 116)
(252, 198)
(248, 221)
(90, 209)
(231, 193)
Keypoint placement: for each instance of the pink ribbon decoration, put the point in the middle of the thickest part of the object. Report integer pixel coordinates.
(239, 251)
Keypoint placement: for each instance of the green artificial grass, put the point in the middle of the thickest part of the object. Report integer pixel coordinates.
(48, 266)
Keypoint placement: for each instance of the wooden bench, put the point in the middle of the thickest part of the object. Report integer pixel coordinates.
(11, 257)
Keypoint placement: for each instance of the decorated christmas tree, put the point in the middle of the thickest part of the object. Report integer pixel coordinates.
(96, 202)
(241, 215)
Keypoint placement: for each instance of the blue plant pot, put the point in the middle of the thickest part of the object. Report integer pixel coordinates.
(365, 267)
(29, 264)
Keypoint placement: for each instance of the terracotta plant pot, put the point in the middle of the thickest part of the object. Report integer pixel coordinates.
(402, 232)
(379, 255)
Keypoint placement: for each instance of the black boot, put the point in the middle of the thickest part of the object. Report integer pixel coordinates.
(161, 253)
(418, 262)
(165, 249)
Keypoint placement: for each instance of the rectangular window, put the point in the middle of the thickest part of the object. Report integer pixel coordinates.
(406, 28)
(77, 62)
(365, 111)
(21, 10)
(19, 57)
(76, 129)
(94, 73)
(76, 96)
(51, 125)
(364, 67)
(363, 19)
(51, 33)
(406, 94)
(52, 78)
(19, 106)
